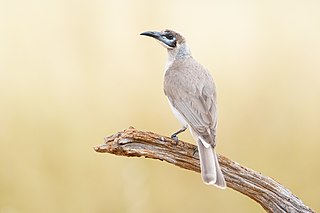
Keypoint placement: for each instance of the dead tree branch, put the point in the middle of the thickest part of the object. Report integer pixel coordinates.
(271, 195)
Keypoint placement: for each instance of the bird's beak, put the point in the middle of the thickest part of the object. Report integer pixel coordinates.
(159, 36)
(153, 34)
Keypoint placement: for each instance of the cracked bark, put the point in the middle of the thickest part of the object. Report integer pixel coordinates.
(271, 195)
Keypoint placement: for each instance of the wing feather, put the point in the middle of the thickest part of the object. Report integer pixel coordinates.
(196, 103)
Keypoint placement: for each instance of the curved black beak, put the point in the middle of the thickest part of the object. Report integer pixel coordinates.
(153, 34)
(169, 44)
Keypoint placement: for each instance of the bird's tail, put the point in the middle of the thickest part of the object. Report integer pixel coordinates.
(210, 169)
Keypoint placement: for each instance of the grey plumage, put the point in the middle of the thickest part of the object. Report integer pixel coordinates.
(192, 96)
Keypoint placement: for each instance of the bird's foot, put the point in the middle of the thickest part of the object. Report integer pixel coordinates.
(175, 138)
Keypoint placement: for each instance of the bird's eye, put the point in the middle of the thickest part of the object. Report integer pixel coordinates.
(169, 36)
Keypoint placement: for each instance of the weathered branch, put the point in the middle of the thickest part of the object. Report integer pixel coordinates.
(271, 195)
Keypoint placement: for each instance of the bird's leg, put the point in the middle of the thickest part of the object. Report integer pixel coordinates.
(174, 136)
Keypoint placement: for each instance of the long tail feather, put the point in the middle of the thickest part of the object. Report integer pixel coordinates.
(210, 168)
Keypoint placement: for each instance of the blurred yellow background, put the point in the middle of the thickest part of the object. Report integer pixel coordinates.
(72, 72)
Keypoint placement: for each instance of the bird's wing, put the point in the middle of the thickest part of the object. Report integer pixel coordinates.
(195, 103)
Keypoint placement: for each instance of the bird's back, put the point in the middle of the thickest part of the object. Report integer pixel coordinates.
(196, 102)
(186, 71)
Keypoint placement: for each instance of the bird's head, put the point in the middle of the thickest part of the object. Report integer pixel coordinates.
(168, 38)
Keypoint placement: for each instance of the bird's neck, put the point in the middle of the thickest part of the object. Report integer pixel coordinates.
(181, 52)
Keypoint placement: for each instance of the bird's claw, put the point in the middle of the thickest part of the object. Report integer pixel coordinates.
(175, 138)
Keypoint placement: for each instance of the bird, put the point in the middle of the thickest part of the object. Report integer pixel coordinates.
(191, 93)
